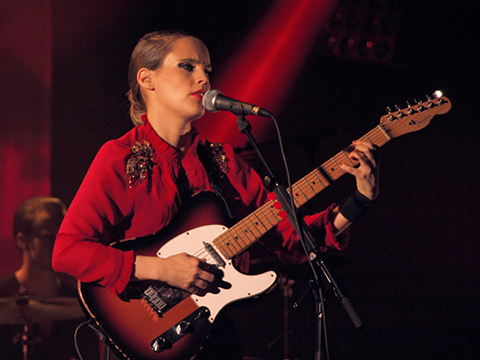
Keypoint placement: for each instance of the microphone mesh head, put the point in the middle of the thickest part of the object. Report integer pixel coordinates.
(208, 100)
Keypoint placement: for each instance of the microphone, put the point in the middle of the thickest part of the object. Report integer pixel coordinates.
(214, 100)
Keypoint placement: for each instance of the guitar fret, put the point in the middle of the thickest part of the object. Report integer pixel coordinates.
(306, 182)
(381, 136)
(239, 242)
(319, 180)
(382, 130)
(366, 137)
(246, 231)
(223, 245)
(276, 217)
(254, 227)
(232, 242)
(270, 224)
(237, 237)
(306, 190)
(339, 168)
(296, 194)
(326, 174)
(331, 170)
(303, 193)
(346, 157)
(261, 222)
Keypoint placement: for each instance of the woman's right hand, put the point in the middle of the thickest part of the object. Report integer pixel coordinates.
(181, 270)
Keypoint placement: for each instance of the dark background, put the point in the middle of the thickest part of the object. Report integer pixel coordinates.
(411, 269)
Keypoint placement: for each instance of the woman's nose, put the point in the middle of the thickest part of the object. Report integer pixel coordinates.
(203, 77)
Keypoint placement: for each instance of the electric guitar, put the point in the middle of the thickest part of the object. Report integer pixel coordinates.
(156, 321)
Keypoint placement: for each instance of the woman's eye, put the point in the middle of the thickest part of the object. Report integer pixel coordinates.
(187, 66)
(208, 72)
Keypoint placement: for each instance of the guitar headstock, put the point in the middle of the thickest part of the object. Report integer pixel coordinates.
(414, 117)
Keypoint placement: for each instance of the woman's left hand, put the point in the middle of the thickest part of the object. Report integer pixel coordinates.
(366, 173)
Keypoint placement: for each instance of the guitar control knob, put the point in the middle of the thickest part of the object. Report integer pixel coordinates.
(159, 344)
(183, 328)
(202, 313)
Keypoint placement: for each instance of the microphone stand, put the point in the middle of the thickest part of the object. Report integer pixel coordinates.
(311, 250)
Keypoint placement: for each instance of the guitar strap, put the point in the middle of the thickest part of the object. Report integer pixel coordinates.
(215, 161)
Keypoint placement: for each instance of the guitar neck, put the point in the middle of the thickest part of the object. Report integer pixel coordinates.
(246, 232)
(240, 236)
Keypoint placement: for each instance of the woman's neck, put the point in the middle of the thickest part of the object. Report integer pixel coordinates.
(174, 132)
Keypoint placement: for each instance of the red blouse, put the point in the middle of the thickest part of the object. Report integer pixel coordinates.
(106, 208)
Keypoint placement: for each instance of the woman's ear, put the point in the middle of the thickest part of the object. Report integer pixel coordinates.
(144, 79)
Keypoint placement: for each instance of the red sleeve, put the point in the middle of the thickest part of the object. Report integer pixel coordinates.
(101, 202)
(289, 248)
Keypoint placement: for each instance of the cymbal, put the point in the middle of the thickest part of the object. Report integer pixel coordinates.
(24, 309)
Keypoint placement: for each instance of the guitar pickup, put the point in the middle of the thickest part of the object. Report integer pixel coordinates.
(211, 251)
(187, 326)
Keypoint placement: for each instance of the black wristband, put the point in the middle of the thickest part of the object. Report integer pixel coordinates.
(354, 206)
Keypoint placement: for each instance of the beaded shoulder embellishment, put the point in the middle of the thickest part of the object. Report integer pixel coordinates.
(220, 159)
(140, 164)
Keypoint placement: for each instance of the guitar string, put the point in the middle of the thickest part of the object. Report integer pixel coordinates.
(374, 136)
(378, 135)
(301, 188)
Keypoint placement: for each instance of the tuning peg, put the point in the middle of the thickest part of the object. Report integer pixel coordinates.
(400, 113)
(389, 112)
(410, 111)
(430, 103)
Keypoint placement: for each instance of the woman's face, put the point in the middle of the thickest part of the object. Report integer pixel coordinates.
(181, 81)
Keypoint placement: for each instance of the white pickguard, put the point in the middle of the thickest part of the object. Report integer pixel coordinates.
(243, 286)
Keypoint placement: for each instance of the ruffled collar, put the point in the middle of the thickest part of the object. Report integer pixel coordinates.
(167, 151)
